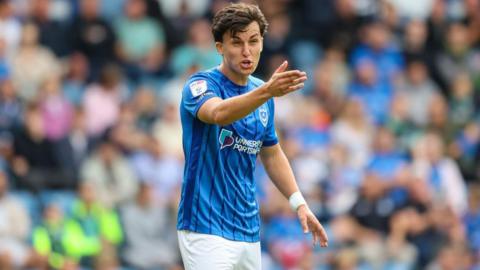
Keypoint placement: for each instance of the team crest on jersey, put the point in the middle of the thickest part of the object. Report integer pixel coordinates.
(198, 87)
(226, 138)
(263, 112)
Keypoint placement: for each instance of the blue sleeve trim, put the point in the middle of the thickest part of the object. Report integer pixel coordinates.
(270, 143)
(204, 99)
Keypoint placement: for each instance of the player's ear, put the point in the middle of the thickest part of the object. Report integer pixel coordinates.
(219, 46)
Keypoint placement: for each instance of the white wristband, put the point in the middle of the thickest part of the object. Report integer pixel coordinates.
(295, 200)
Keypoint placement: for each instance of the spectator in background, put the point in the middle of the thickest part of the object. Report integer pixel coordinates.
(343, 180)
(400, 123)
(146, 107)
(457, 56)
(160, 170)
(374, 206)
(32, 64)
(53, 33)
(14, 230)
(462, 101)
(100, 227)
(438, 121)
(415, 42)
(311, 137)
(110, 175)
(199, 50)
(450, 233)
(58, 239)
(57, 112)
(75, 79)
(276, 41)
(436, 25)
(389, 166)
(378, 49)
(34, 163)
(10, 29)
(102, 101)
(465, 148)
(312, 133)
(371, 215)
(440, 172)
(418, 90)
(345, 25)
(10, 106)
(73, 149)
(411, 222)
(126, 133)
(171, 25)
(374, 93)
(93, 37)
(149, 241)
(167, 132)
(354, 130)
(141, 41)
(330, 81)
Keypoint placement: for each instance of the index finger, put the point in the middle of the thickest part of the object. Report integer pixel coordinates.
(291, 73)
(323, 238)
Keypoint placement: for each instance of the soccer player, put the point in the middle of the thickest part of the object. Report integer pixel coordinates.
(227, 120)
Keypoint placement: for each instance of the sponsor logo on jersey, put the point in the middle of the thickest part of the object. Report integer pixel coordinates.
(227, 138)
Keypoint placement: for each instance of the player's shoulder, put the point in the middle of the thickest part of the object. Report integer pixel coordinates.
(211, 75)
(201, 82)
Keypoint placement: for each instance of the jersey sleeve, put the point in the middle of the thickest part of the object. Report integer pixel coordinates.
(197, 91)
(270, 137)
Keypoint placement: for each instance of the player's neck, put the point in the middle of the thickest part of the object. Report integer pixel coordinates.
(236, 78)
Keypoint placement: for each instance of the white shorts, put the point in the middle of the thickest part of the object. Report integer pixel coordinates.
(205, 251)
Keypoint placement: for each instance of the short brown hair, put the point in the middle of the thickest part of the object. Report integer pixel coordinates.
(235, 18)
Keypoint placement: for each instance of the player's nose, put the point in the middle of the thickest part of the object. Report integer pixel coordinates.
(246, 51)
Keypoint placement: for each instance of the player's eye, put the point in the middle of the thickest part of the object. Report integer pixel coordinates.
(254, 41)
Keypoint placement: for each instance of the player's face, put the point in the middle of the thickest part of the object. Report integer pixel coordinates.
(241, 51)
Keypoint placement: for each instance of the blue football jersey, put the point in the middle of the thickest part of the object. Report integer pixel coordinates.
(218, 190)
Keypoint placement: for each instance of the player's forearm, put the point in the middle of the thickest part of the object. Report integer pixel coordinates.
(235, 108)
(279, 170)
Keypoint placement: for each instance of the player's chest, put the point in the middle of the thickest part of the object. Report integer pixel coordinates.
(254, 125)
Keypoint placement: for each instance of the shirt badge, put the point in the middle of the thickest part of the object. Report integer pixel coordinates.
(198, 87)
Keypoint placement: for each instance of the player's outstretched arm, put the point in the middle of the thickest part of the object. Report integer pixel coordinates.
(224, 112)
(279, 170)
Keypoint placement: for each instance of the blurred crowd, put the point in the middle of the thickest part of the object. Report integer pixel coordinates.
(384, 138)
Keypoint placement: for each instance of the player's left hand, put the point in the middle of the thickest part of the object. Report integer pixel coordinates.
(311, 224)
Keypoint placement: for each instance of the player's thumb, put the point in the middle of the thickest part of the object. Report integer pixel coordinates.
(282, 67)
